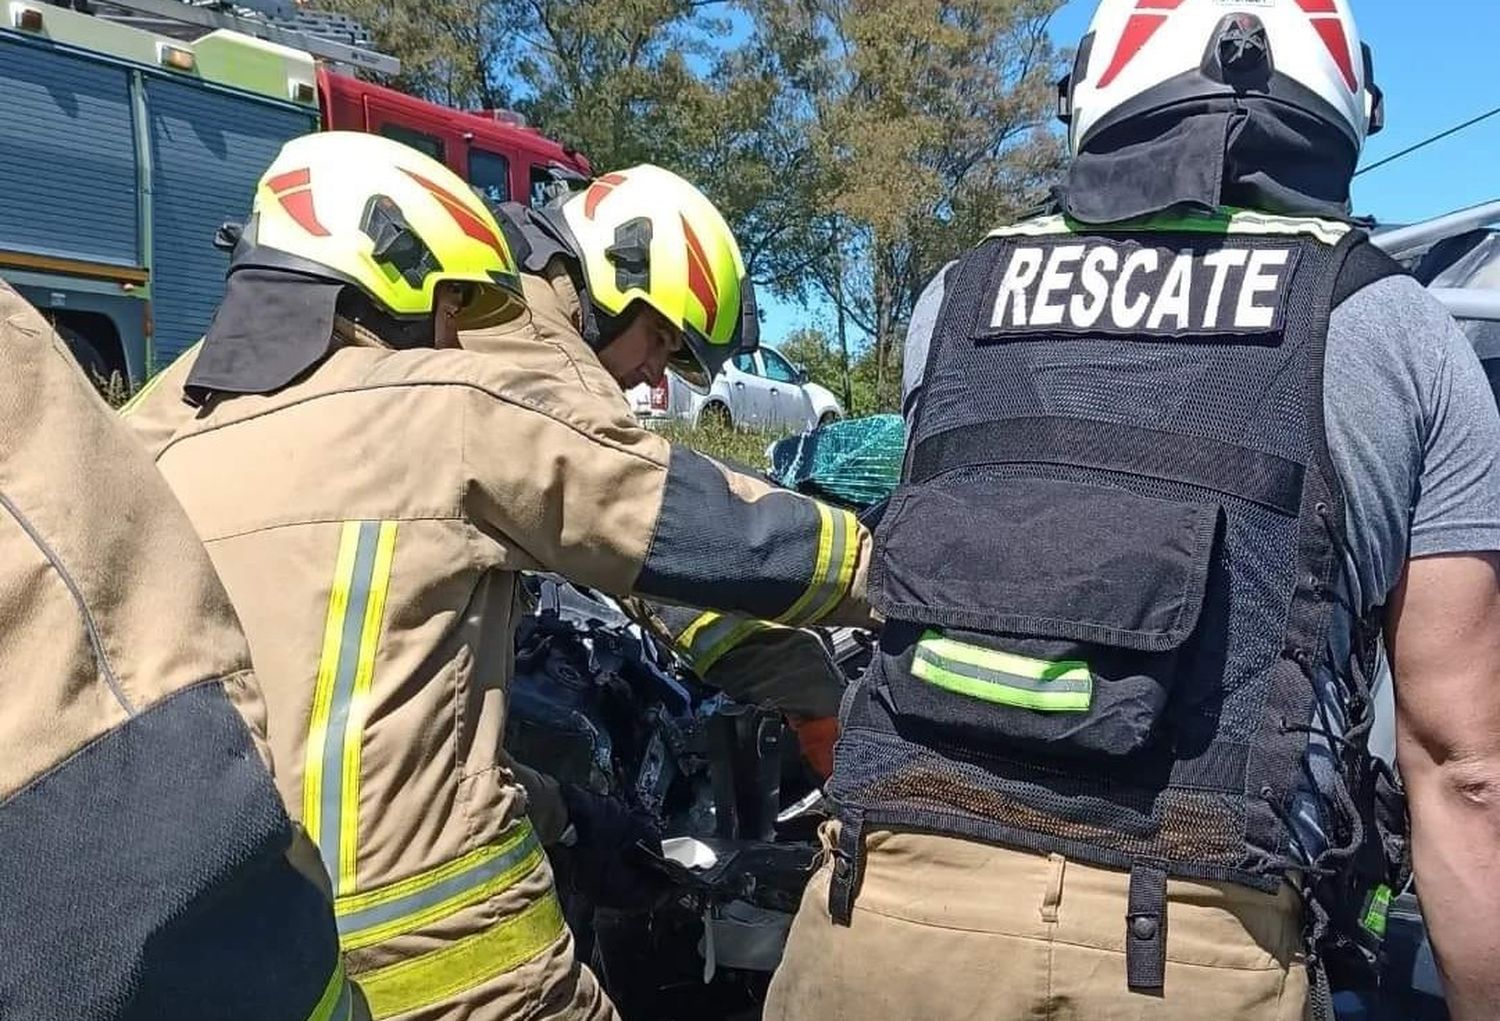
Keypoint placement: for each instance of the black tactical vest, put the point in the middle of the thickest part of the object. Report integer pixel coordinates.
(1110, 571)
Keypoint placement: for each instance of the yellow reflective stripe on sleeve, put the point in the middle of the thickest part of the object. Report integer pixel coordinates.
(472, 961)
(1003, 678)
(375, 916)
(337, 998)
(712, 636)
(848, 559)
(351, 635)
(833, 569)
(354, 733)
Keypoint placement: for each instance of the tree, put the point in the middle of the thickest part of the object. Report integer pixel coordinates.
(813, 351)
(927, 122)
(454, 52)
(855, 145)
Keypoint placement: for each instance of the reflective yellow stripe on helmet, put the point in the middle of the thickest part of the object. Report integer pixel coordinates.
(465, 963)
(346, 669)
(374, 916)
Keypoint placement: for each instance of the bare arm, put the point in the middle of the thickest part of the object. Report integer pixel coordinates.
(1443, 630)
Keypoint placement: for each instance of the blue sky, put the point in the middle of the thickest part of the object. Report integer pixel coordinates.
(1436, 61)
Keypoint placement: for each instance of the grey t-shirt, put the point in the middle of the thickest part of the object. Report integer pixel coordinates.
(1414, 434)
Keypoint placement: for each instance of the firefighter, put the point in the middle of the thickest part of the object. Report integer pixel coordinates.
(148, 869)
(591, 266)
(368, 498)
(1179, 454)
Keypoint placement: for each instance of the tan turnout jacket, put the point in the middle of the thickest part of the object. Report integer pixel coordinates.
(146, 867)
(369, 521)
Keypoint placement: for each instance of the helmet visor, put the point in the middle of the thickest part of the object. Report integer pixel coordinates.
(699, 360)
(492, 303)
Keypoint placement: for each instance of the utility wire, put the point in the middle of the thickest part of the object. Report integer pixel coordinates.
(1425, 143)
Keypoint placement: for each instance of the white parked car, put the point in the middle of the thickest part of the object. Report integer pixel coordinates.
(761, 390)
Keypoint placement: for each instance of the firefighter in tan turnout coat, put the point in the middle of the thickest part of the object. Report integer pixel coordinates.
(146, 868)
(592, 297)
(368, 505)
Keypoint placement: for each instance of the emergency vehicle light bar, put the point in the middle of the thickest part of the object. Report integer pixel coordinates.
(210, 17)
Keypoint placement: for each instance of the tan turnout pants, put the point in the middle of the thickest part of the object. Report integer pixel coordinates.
(953, 930)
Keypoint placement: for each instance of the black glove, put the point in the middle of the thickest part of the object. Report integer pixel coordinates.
(602, 850)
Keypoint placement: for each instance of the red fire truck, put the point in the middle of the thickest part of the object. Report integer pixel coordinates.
(126, 142)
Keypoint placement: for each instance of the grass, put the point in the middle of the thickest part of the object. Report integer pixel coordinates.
(733, 445)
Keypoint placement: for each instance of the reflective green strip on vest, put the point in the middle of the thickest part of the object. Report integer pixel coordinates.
(1003, 678)
(461, 965)
(374, 916)
(833, 567)
(346, 669)
(1226, 221)
(1377, 908)
(712, 636)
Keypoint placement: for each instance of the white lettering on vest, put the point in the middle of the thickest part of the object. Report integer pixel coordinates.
(1258, 280)
(1025, 263)
(1096, 264)
(1175, 301)
(1221, 262)
(1130, 287)
(1055, 282)
(1128, 315)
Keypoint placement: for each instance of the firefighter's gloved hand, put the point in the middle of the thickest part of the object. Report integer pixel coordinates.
(604, 860)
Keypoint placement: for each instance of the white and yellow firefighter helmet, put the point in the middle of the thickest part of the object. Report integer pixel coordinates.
(388, 220)
(645, 234)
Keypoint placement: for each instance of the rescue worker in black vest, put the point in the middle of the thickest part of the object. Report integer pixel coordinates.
(1182, 457)
(587, 273)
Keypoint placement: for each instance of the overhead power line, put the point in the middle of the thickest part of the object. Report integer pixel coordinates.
(1428, 141)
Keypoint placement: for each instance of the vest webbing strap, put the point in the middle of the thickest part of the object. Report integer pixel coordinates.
(848, 867)
(1251, 475)
(1146, 929)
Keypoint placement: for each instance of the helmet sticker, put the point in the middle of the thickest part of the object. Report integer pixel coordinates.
(598, 190)
(1330, 28)
(1138, 32)
(700, 280)
(466, 220)
(293, 190)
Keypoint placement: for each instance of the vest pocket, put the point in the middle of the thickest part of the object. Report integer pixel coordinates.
(1039, 612)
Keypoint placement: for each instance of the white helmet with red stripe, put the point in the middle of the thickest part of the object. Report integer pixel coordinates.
(1142, 57)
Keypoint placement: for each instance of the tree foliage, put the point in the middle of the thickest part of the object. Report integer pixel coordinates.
(855, 145)
(869, 392)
